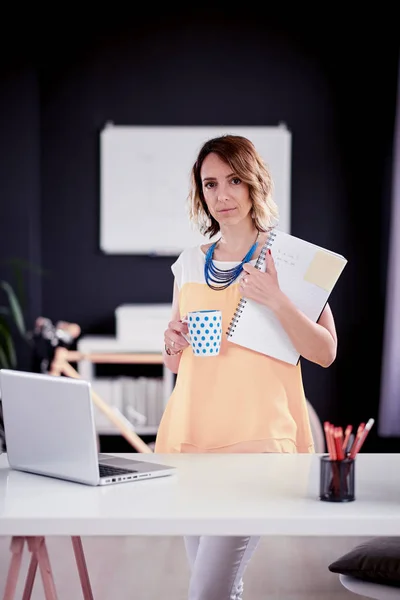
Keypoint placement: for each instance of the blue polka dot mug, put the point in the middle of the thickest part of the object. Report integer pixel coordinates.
(205, 332)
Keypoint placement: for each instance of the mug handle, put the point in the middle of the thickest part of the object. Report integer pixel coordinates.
(186, 336)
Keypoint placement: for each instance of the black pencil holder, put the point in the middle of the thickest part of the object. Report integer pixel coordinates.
(337, 479)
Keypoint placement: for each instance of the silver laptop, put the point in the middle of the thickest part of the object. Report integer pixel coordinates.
(50, 430)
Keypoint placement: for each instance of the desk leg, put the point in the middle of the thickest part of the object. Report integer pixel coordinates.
(37, 545)
(30, 578)
(82, 568)
(39, 557)
(16, 548)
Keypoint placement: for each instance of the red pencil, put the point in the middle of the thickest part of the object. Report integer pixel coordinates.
(357, 437)
(332, 438)
(328, 438)
(364, 434)
(338, 436)
(347, 434)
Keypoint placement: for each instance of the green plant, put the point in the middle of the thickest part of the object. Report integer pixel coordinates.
(12, 306)
(10, 313)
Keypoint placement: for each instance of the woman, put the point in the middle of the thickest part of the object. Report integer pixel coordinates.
(240, 400)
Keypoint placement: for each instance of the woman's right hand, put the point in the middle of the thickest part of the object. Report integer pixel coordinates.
(173, 338)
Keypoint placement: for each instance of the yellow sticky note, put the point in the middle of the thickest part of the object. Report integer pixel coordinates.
(325, 269)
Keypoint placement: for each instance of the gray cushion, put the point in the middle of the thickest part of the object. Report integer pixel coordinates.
(376, 560)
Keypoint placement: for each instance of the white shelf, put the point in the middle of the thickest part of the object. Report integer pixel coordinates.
(110, 430)
(109, 345)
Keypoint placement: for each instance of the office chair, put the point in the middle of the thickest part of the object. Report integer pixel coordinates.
(378, 591)
(316, 429)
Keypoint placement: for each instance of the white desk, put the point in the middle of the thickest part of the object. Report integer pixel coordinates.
(218, 494)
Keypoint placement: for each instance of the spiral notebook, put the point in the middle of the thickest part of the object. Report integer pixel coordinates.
(307, 274)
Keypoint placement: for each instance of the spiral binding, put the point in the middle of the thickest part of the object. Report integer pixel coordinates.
(243, 301)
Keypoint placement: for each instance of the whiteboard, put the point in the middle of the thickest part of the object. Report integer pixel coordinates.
(145, 178)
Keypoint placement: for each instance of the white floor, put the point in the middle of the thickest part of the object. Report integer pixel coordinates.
(155, 568)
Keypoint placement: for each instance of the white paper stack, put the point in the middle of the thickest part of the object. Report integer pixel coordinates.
(142, 325)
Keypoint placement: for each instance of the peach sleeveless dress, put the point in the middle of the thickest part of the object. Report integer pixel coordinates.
(239, 401)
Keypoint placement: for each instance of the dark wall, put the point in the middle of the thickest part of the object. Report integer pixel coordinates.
(334, 90)
(20, 226)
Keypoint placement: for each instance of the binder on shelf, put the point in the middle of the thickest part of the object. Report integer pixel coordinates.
(307, 274)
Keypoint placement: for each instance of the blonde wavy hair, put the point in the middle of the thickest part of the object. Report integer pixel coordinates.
(241, 155)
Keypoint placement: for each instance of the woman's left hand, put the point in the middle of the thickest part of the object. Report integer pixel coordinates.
(259, 286)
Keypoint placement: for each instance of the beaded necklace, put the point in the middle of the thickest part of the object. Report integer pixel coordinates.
(224, 277)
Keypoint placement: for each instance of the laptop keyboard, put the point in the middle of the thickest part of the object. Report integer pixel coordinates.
(107, 471)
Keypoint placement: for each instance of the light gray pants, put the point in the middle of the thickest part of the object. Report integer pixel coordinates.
(217, 565)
